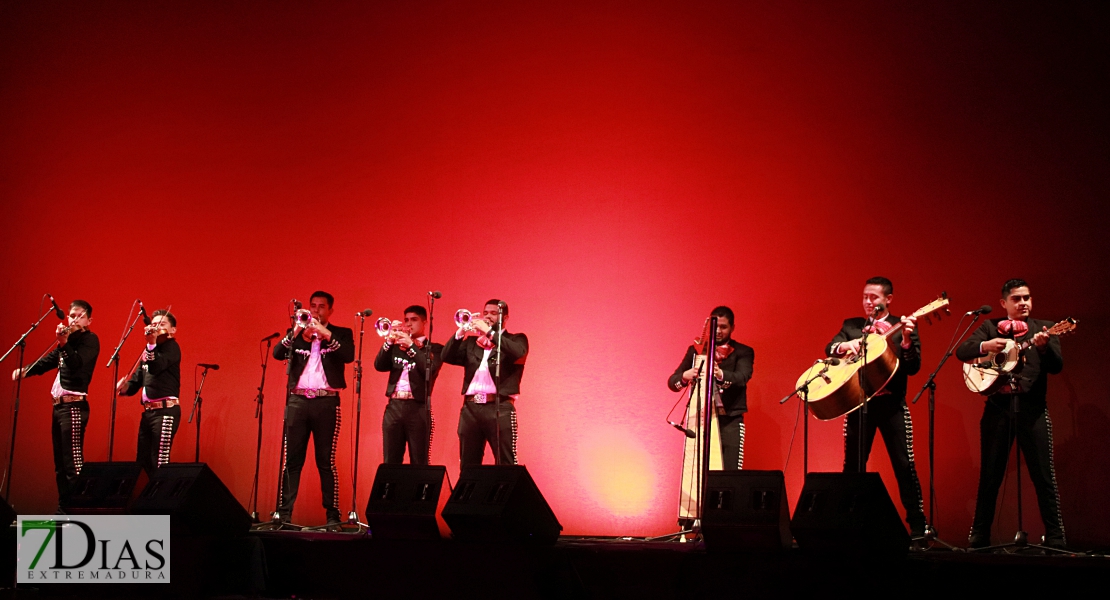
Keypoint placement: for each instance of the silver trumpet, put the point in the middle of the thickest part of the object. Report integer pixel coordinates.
(303, 317)
(465, 319)
(390, 330)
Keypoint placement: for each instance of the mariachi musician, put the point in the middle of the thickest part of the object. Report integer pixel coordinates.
(405, 356)
(158, 376)
(734, 363)
(75, 356)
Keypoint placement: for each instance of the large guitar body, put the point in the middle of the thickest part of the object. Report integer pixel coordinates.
(840, 389)
(694, 449)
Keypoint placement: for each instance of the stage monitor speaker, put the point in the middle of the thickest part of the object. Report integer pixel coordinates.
(104, 488)
(848, 513)
(405, 503)
(196, 500)
(746, 511)
(500, 504)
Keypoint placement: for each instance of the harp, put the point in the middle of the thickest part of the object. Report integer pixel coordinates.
(705, 443)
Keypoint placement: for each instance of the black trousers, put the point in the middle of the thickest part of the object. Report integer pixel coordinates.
(479, 426)
(320, 418)
(157, 428)
(406, 422)
(890, 416)
(67, 433)
(732, 441)
(1034, 437)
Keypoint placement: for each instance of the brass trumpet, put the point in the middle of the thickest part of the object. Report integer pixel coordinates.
(303, 317)
(465, 319)
(390, 330)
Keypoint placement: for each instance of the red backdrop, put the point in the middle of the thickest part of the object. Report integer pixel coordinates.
(612, 170)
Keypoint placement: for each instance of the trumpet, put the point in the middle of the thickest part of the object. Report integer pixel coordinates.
(303, 317)
(390, 330)
(464, 319)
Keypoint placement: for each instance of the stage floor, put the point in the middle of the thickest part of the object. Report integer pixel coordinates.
(334, 565)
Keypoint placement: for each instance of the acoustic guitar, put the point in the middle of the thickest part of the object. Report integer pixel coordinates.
(839, 389)
(984, 375)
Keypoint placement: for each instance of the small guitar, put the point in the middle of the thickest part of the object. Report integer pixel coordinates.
(984, 375)
(837, 390)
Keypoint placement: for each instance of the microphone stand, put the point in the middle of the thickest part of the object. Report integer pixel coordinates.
(862, 468)
(930, 535)
(197, 400)
(352, 517)
(258, 415)
(428, 381)
(115, 377)
(497, 380)
(706, 425)
(803, 395)
(275, 517)
(22, 345)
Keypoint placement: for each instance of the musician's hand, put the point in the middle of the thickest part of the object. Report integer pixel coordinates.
(718, 374)
(995, 345)
(908, 325)
(1040, 340)
(481, 325)
(16, 374)
(404, 341)
(151, 335)
(61, 335)
(121, 386)
(849, 348)
(689, 374)
(321, 330)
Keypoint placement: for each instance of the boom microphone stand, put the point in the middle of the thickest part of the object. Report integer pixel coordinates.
(930, 536)
(197, 401)
(352, 517)
(275, 517)
(258, 415)
(22, 345)
(802, 392)
(497, 379)
(115, 374)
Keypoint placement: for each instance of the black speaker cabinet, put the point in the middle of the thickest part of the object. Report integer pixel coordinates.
(500, 504)
(196, 500)
(105, 488)
(405, 503)
(848, 513)
(746, 511)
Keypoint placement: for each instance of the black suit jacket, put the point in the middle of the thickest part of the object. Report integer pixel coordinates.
(393, 359)
(1033, 377)
(75, 361)
(467, 353)
(162, 376)
(737, 370)
(333, 356)
(909, 360)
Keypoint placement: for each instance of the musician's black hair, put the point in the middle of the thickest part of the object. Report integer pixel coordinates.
(82, 305)
(1012, 284)
(504, 306)
(324, 295)
(161, 312)
(888, 287)
(420, 311)
(724, 311)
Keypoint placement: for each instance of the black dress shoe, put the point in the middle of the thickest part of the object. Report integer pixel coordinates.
(978, 540)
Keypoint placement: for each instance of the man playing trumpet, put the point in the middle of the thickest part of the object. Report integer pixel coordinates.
(488, 413)
(159, 379)
(318, 352)
(408, 419)
(74, 358)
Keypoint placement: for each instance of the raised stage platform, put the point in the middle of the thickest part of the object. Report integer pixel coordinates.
(336, 565)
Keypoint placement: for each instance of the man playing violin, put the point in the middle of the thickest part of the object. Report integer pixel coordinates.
(488, 413)
(318, 352)
(74, 358)
(408, 419)
(733, 367)
(159, 379)
(1034, 427)
(887, 412)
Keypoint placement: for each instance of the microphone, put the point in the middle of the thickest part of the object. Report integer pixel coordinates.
(689, 432)
(879, 308)
(142, 311)
(365, 313)
(270, 337)
(296, 304)
(982, 310)
(208, 366)
(57, 311)
(435, 294)
(832, 362)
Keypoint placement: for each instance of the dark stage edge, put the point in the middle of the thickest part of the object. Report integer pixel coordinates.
(333, 565)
